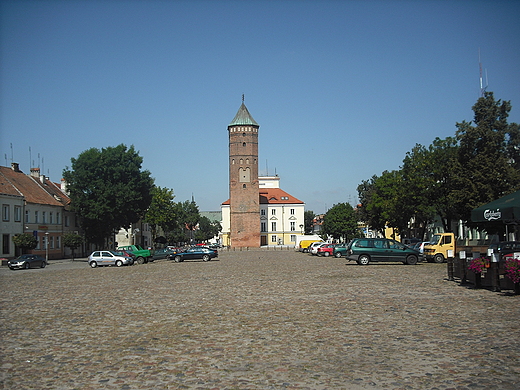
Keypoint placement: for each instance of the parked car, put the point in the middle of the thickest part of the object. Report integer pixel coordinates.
(313, 248)
(506, 248)
(140, 254)
(162, 253)
(366, 250)
(196, 252)
(26, 262)
(101, 258)
(326, 250)
(340, 250)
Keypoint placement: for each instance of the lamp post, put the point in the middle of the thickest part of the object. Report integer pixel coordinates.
(301, 228)
(46, 247)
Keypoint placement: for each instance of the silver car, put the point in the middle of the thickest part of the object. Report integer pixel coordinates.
(100, 258)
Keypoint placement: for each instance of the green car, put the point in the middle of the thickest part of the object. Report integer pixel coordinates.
(366, 250)
(340, 250)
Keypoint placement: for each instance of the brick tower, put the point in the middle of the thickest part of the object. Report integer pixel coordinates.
(243, 180)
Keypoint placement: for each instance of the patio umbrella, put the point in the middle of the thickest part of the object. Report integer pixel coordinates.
(505, 209)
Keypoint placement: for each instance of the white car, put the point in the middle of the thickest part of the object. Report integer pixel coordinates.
(314, 247)
(100, 258)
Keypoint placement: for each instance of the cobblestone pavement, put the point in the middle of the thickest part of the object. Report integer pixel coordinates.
(255, 320)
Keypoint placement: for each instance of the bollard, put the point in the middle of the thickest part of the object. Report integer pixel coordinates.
(450, 265)
(495, 270)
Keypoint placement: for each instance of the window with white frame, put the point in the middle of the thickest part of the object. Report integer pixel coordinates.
(58, 216)
(5, 212)
(292, 211)
(51, 217)
(51, 240)
(273, 238)
(273, 226)
(17, 213)
(263, 226)
(273, 211)
(36, 217)
(58, 242)
(27, 216)
(44, 217)
(293, 226)
(262, 212)
(293, 237)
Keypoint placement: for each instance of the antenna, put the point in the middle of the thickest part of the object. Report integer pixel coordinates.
(482, 88)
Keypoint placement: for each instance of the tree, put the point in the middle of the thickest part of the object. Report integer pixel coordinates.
(340, 222)
(308, 218)
(485, 154)
(72, 241)
(25, 241)
(161, 213)
(207, 229)
(187, 218)
(108, 190)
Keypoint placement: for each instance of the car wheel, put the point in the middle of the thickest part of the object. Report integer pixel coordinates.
(205, 258)
(140, 260)
(27, 265)
(119, 263)
(337, 254)
(364, 260)
(177, 259)
(411, 260)
(326, 254)
(438, 258)
(93, 264)
(43, 264)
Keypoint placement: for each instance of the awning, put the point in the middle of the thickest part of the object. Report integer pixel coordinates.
(505, 209)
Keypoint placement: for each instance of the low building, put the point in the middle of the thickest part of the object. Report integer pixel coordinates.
(281, 215)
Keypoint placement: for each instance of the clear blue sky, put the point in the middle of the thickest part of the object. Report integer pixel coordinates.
(341, 89)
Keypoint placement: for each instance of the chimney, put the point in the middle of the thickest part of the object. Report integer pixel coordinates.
(35, 172)
(15, 167)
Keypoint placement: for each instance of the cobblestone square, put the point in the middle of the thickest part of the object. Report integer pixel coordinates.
(255, 320)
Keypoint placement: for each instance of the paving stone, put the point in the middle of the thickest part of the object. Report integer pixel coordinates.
(256, 320)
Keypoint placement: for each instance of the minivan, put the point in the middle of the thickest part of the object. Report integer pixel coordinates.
(366, 250)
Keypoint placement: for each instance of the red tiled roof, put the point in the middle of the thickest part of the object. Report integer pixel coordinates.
(31, 188)
(274, 196)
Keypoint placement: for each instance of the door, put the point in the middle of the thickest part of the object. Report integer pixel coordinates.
(107, 258)
(381, 251)
(396, 251)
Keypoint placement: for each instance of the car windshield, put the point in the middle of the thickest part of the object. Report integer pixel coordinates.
(435, 239)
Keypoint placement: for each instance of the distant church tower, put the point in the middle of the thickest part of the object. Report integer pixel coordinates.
(243, 180)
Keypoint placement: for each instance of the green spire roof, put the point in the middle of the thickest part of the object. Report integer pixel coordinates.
(243, 117)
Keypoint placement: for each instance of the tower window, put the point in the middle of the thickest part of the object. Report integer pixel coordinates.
(244, 144)
(244, 186)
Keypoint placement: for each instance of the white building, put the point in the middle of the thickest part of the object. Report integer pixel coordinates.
(281, 215)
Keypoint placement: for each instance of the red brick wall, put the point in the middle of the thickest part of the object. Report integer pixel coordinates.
(243, 191)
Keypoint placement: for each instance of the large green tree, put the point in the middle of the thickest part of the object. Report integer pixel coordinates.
(72, 241)
(308, 217)
(486, 154)
(341, 222)
(207, 229)
(162, 212)
(108, 190)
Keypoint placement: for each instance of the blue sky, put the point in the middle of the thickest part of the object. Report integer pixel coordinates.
(341, 89)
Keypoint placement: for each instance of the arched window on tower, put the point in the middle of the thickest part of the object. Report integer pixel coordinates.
(244, 144)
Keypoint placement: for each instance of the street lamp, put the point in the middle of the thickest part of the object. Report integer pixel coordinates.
(46, 247)
(301, 228)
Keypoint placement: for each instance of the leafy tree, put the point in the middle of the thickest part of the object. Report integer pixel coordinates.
(187, 218)
(308, 218)
(162, 212)
(340, 222)
(25, 241)
(108, 190)
(207, 229)
(72, 241)
(485, 153)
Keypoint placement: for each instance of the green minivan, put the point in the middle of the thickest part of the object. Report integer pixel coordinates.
(366, 250)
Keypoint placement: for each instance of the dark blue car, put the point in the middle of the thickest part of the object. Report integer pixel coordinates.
(196, 252)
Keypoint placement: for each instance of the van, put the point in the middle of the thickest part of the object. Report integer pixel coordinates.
(366, 250)
(304, 245)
